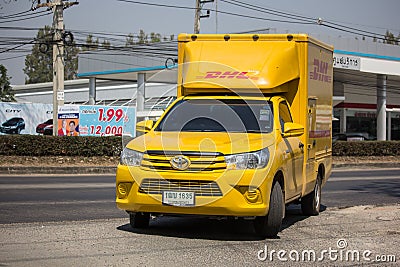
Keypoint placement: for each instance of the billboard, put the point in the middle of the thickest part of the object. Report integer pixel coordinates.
(73, 120)
(106, 120)
(68, 121)
(23, 118)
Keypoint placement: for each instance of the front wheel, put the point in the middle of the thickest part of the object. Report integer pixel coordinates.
(139, 219)
(270, 225)
(311, 203)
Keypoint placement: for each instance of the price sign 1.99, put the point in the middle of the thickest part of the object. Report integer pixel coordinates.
(110, 113)
(106, 120)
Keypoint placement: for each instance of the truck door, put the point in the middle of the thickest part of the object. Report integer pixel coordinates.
(311, 147)
(292, 154)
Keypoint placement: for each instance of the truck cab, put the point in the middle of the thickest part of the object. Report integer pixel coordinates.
(249, 133)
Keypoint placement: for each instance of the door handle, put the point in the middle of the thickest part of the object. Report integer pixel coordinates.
(301, 145)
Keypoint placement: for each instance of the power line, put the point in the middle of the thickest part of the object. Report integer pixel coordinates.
(219, 11)
(15, 14)
(27, 18)
(269, 11)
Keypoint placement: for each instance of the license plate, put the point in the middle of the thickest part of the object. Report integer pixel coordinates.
(179, 199)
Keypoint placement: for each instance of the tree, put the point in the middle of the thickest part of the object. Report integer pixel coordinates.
(155, 37)
(91, 44)
(142, 37)
(39, 64)
(106, 44)
(391, 39)
(129, 40)
(6, 94)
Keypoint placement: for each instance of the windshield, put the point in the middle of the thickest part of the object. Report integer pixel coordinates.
(219, 115)
(11, 122)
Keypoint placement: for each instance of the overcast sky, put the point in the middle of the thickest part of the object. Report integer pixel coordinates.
(114, 16)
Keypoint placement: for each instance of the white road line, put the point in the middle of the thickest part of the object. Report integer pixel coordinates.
(14, 203)
(57, 186)
(338, 179)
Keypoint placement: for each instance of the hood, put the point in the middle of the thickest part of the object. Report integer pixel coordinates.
(222, 142)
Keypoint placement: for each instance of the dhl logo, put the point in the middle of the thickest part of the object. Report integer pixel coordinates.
(227, 75)
(320, 71)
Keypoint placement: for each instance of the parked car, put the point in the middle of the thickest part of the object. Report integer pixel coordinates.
(352, 137)
(48, 130)
(40, 127)
(13, 125)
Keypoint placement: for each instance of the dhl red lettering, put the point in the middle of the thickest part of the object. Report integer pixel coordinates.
(229, 75)
(242, 75)
(212, 74)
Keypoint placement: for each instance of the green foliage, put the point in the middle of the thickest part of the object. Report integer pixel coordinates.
(155, 37)
(39, 64)
(39, 145)
(366, 148)
(6, 94)
(391, 39)
(143, 38)
(91, 44)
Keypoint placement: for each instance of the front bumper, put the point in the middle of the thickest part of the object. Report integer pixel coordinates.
(234, 200)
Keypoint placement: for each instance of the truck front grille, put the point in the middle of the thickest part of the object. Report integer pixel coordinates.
(199, 161)
(200, 187)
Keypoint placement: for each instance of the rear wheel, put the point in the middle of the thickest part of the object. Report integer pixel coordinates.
(139, 219)
(311, 203)
(270, 225)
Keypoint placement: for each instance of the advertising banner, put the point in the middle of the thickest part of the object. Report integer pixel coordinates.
(107, 120)
(24, 118)
(73, 120)
(68, 121)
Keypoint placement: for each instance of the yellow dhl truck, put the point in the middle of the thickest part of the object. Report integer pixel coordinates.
(249, 133)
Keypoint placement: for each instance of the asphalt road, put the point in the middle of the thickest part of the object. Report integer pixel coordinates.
(73, 198)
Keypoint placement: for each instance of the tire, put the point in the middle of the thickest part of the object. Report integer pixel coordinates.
(139, 220)
(18, 131)
(270, 225)
(311, 203)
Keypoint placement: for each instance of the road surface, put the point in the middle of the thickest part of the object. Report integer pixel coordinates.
(46, 198)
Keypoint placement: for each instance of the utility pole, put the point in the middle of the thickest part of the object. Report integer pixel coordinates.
(58, 61)
(58, 7)
(198, 15)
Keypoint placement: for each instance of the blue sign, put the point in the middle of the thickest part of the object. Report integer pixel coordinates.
(106, 121)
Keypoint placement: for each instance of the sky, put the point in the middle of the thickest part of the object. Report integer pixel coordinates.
(124, 17)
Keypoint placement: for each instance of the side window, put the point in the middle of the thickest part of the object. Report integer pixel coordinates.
(284, 114)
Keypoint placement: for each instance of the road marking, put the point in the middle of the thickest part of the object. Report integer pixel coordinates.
(14, 203)
(56, 186)
(324, 192)
(112, 185)
(338, 179)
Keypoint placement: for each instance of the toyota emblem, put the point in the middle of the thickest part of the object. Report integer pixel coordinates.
(180, 162)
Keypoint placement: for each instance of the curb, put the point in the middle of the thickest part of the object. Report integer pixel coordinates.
(112, 170)
(57, 170)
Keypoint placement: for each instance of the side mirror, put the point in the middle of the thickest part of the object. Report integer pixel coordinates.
(144, 126)
(293, 129)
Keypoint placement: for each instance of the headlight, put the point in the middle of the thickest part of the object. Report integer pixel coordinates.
(131, 157)
(253, 160)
